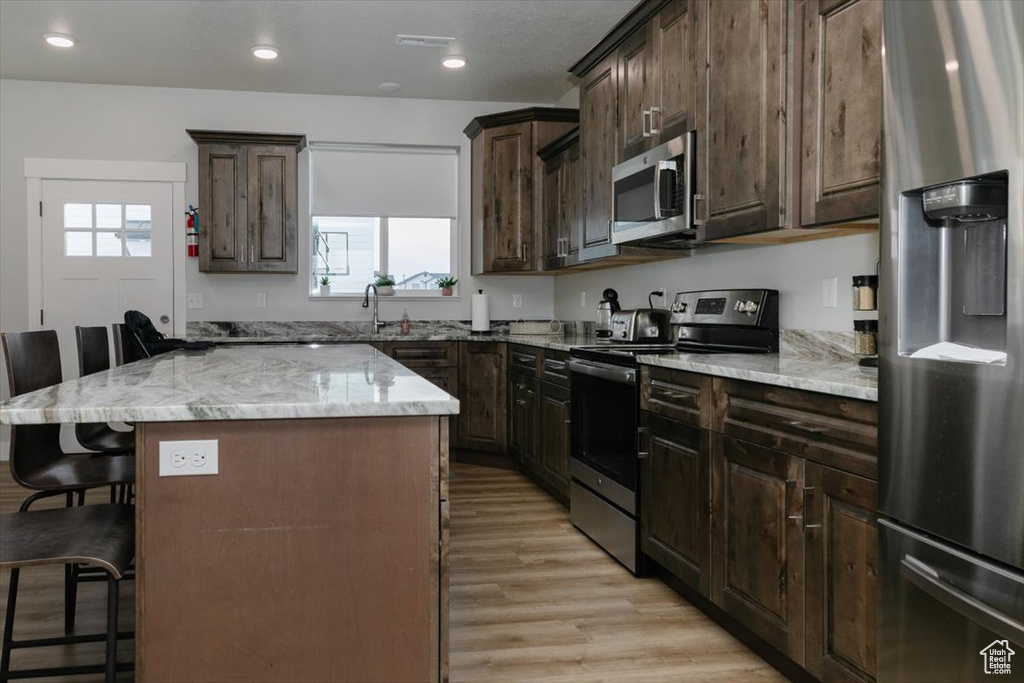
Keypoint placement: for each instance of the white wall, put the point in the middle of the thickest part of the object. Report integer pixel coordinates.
(570, 99)
(135, 123)
(796, 270)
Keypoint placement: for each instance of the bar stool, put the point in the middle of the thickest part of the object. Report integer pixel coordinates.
(93, 357)
(101, 536)
(126, 348)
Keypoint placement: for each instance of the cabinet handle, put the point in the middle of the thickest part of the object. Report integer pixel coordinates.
(807, 494)
(654, 110)
(800, 426)
(252, 253)
(647, 123)
(521, 402)
(641, 432)
(790, 485)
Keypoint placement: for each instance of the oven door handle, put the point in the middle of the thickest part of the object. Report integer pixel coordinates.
(928, 580)
(612, 373)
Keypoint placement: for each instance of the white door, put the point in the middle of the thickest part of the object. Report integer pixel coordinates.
(106, 248)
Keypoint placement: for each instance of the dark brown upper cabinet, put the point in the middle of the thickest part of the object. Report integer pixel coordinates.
(560, 222)
(841, 110)
(507, 186)
(248, 201)
(599, 152)
(741, 100)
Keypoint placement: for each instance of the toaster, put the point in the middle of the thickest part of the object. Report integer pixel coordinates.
(643, 325)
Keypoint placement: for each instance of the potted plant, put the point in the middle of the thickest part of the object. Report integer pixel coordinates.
(325, 286)
(385, 285)
(446, 284)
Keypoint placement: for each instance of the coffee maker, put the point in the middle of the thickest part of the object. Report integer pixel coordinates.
(608, 305)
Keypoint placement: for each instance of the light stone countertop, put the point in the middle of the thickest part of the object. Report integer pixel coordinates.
(232, 383)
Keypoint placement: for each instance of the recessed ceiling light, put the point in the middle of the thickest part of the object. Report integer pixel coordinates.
(389, 87)
(264, 52)
(454, 62)
(58, 40)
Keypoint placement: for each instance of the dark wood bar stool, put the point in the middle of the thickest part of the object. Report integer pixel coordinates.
(126, 348)
(37, 461)
(101, 536)
(93, 357)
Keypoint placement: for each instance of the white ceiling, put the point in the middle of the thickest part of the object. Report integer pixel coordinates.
(517, 50)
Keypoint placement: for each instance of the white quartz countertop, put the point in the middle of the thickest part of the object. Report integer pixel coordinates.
(239, 383)
(798, 372)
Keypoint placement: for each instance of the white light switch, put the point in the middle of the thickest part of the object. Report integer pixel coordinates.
(194, 300)
(517, 301)
(188, 458)
(829, 286)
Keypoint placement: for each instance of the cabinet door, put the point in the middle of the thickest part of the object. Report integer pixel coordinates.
(551, 228)
(842, 110)
(508, 199)
(482, 380)
(674, 90)
(742, 103)
(273, 209)
(571, 203)
(635, 92)
(223, 183)
(523, 418)
(675, 518)
(842, 578)
(757, 543)
(553, 434)
(598, 153)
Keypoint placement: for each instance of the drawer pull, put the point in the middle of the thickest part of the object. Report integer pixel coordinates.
(523, 358)
(804, 427)
(641, 433)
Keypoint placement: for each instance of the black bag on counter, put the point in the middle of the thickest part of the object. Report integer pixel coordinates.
(150, 341)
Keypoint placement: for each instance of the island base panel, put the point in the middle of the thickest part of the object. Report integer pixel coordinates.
(311, 556)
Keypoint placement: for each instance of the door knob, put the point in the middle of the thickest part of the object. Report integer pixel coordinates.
(164, 319)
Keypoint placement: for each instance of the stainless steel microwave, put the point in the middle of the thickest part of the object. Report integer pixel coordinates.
(652, 196)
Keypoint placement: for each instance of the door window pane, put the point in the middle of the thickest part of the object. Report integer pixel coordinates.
(138, 216)
(77, 243)
(78, 215)
(419, 251)
(108, 216)
(108, 244)
(139, 243)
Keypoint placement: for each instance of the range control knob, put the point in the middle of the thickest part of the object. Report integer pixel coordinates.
(750, 307)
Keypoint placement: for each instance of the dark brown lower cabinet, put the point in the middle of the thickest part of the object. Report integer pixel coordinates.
(523, 420)
(483, 392)
(842, 577)
(757, 543)
(553, 434)
(675, 479)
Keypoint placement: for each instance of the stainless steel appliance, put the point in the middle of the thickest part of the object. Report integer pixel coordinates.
(643, 325)
(608, 305)
(652, 196)
(951, 374)
(604, 461)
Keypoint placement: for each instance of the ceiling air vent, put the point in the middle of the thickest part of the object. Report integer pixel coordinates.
(424, 41)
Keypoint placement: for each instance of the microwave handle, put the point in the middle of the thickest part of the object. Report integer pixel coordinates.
(662, 166)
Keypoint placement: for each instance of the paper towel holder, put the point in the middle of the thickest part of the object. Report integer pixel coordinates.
(480, 322)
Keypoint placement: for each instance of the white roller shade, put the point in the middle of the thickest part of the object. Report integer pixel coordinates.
(364, 180)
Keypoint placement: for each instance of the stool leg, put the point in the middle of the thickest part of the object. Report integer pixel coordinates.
(112, 599)
(12, 596)
(70, 596)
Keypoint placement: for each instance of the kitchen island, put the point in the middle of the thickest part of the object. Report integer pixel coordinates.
(318, 550)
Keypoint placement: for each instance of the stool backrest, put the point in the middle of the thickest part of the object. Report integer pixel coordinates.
(93, 350)
(33, 362)
(126, 347)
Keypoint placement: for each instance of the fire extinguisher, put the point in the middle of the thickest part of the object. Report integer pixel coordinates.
(192, 234)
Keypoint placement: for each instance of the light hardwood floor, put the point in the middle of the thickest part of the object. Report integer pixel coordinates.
(532, 599)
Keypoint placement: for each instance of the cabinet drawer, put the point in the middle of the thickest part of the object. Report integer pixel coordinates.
(682, 396)
(555, 367)
(424, 354)
(524, 358)
(835, 431)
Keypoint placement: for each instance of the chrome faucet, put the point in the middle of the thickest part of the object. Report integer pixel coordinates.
(377, 324)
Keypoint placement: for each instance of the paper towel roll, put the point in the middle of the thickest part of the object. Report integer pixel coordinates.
(481, 312)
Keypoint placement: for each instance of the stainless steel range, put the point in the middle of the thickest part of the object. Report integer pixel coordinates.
(604, 463)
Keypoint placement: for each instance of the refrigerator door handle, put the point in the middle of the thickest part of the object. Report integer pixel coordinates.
(928, 580)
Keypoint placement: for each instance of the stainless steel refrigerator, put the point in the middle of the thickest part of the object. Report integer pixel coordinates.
(951, 373)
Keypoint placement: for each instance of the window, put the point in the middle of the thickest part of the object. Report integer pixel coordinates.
(108, 229)
(383, 210)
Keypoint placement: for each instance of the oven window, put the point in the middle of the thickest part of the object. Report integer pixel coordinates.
(634, 197)
(604, 422)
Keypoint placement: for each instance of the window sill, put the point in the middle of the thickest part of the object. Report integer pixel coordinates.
(396, 297)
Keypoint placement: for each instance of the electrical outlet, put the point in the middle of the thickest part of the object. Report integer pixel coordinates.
(188, 458)
(261, 300)
(583, 299)
(517, 301)
(194, 300)
(829, 287)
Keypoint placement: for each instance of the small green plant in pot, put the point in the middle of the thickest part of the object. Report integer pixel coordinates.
(446, 284)
(325, 286)
(385, 285)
